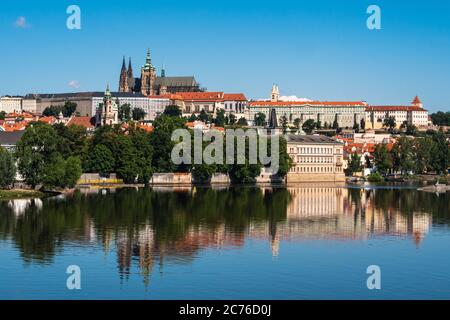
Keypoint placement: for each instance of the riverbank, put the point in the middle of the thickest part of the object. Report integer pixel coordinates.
(21, 194)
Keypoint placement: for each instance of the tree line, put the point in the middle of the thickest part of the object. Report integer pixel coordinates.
(419, 155)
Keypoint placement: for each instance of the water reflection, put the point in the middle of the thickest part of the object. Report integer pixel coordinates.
(150, 227)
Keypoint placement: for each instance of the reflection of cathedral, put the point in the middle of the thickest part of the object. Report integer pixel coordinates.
(149, 84)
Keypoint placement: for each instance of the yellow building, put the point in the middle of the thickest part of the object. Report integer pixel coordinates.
(315, 158)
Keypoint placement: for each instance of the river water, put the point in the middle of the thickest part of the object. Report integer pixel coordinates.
(300, 242)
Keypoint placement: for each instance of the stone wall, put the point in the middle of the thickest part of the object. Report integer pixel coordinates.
(94, 178)
(315, 177)
(171, 178)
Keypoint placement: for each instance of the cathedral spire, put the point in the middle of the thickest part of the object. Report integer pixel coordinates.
(163, 71)
(130, 69)
(123, 85)
(123, 65)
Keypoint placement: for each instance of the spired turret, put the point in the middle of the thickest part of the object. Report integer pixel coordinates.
(123, 82)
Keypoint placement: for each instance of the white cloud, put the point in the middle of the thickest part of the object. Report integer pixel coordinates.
(74, 84)
(293, 98)
(21, 22)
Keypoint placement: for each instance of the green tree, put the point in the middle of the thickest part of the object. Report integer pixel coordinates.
(69, 108)
(54, 172)
(284, 123)
(100, 160)
(335, 124)
(124, 112)
(260, 119)
(297, 122)
(73, 171)
(220, 118)
(162, 143)
(285, 161)
(440, 153)
(72, 140)
(362, 124)
(389, 123)
(7, 169)
(203, 116)
(231, 119)
(308, 126)
(441, 118)
(411, 130)
(202, 173)
(36, 149)
(138, 114)
(2, 115)
(125, 159)
(242, 122)
(354, 165)
(403, 156)
(192, 118)
(382, 158)
(143, 154)
(422, 150)
(173, 111)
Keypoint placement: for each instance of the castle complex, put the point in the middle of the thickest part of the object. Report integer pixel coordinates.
(149, 84)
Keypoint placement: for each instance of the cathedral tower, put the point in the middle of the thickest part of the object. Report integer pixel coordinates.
(148, 77)
(130, 77)
(123, 82)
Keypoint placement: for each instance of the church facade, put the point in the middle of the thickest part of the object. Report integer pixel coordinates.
(150, 84)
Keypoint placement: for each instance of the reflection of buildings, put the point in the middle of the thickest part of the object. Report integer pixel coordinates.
(327, 212)
(19, 206)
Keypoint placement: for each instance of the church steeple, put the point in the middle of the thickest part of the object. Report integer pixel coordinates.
(123, 82)
(163, 71)
(148, 61)
(130, 76)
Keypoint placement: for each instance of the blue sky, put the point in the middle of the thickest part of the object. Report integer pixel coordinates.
(318, 49)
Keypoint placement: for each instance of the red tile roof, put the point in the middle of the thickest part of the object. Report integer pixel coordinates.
(416, 100)
(394, 108)
(49, 120)
(308, 103)
(234, 97)
(201, 96)
(81, 121)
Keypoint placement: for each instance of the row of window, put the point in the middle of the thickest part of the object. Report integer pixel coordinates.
(314, 159)
(312, 150)
(314, 169)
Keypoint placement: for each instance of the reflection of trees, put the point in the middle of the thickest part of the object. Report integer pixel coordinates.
(149, 227)
(142, 224)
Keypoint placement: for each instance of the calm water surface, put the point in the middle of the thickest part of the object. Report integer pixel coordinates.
(302, 242)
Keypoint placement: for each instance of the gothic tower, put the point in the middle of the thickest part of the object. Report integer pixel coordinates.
(130, 77)
(148, 77)
(123, 82)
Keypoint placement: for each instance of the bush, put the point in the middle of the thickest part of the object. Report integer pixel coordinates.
(375, 177)
(442, 180)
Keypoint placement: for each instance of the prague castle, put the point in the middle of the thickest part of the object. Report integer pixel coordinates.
(149, 84)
